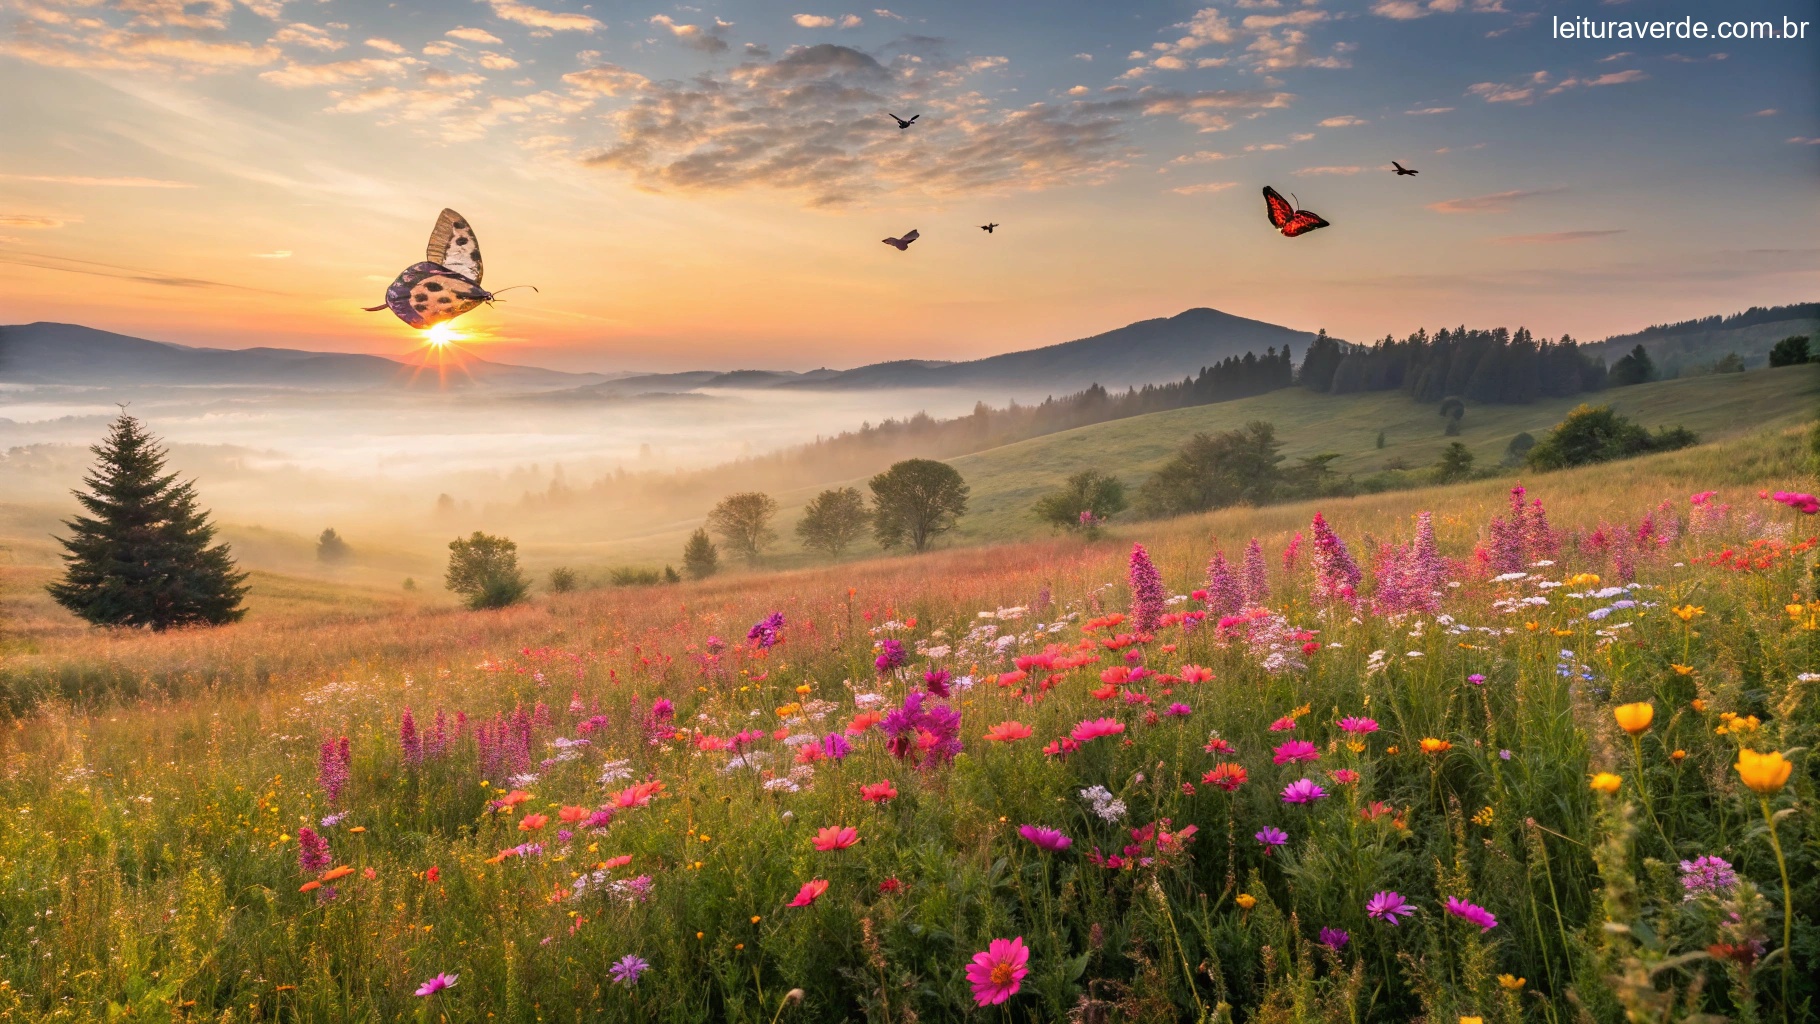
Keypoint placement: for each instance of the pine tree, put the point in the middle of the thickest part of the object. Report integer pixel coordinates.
(701, 559)
(142, 556)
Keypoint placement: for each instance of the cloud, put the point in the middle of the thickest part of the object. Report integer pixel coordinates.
(694, 36)
(473, 35)
(1767, 112)
(299, 76)
(883, 13)
(1346, 121)
(1429, 111)
(384, 45)
(606, 80)
(813, 21)
(1619, 78)
(1496, 202)
(1078, 90)
(275, 254)
(1268, 42)
(1409, 10)
(496, 61)
(1801, 140)
(1204, 188)
(1492, 92)
(1682, 58)
(1088, 57)
(537, 17)
(1556, 237)
(300, 34)
(1201, 156)
(1328, 170)
(1616, 56)
(69, 179)
(34, 221)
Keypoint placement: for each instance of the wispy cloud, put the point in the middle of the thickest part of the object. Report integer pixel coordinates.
(1496, 202)
(473, 35)
(1306, 171)
(1204, 188)
(298, 76)
(34, 221)
(276, 254)
(537, 17)
(813, 21)
(93, 182)
(1409, 10)
(1556, 237)
(1429, 111)
(1346, 121)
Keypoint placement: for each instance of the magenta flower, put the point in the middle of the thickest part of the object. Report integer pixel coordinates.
(1284, 724)
(1295, 750)
(1476, 679)
(1385, 906)
(1148, 599)
(936, 681)
(1047, 838)
(1472, 913)
(1271, 838)
(437, 984)
(1094, 728)
(1178, 710)
(891, 655)
(627, 968)
(1334, 938)
(998, 972)
(1358, 726)
(1225, 594)
(1344, 776)
(312, 851)
(1303, 791)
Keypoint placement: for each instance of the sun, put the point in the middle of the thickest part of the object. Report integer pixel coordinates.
(443, 335)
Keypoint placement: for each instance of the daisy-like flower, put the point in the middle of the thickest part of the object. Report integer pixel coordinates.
(1046, 838)
(1344, 776)
(1178, 710)
(1284, 724)
(1271, 837)
(1295, 750)
(1006, 732)
(437, 984)
(835, 838)
(878, 792)
(1471, 913)
(627, 968)
(1227, 776)
(1386, 906)
(1334, 938)
(998, 972)
(1359, 726)
(1303, 791)
(810, 892)
(1094, 728)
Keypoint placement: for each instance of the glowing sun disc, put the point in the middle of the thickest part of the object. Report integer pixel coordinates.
(443, 335)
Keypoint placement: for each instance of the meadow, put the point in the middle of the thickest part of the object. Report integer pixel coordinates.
(1357, 777)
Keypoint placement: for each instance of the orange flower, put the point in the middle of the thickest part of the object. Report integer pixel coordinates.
(615, 862)
(1678, 755)
(1765, 774)
(1107, 692)
(1699, 705)
(637, 796)
(1195, 674)
(308, 886)
(1607, 783)
(835, 838)
(512, 799)
(1005, 732)
(1245, 900)
(1635, 718)
(1430, 745)
(1682, 670)
(863, 721)
(573, 813)
(533, 822)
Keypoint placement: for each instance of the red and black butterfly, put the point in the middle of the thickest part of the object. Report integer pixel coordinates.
(1286, 218)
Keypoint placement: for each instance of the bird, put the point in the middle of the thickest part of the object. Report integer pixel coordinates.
(1286, 218)
(446, 284)
(987, 228)
(904, 242)
(1403, 170)
(901, 123)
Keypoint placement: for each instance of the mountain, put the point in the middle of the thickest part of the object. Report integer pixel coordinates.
(52, 353)
(1693, 344)
(1146, 352)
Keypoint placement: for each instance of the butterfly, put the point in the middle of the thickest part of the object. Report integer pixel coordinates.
(1286, 218)
(902, 244)
(446, 284)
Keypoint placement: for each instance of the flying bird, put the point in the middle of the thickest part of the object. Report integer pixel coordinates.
(1286, 218)
(446, 284)
(901, 123)
(1403, 170)
(904, 242)
(987, 228)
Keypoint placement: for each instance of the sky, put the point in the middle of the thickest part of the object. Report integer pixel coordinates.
(705, 186)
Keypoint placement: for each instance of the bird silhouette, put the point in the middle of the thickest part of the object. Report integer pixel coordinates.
(904, 242)
(987, 228)
(1403, 170)
(901, 123)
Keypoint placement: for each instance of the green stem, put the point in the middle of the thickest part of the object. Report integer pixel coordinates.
(1788, 900)
(1636, 746)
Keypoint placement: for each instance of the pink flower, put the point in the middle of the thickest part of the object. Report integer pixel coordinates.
(1295, 750)
(1094, 728)
(1357, 725)
(1178, 710)
(1303, 791)
(810, 892)
(1148, 598)
(1344, 776)
(1047, 838)
(833, 838)
(437, 984)
(1284, 724)
(1471, 912)
(1195, 674)
(997, 973)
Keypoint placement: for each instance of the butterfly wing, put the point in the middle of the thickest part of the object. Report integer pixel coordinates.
(1302, 223)
(452, 244)
(426, 294)
(1277, 208)
(910, 236)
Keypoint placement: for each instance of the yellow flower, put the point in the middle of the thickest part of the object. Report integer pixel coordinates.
(1511, 983)
(1682, 670)
(1688, 612)
(1584, 579)
(1635, 718)
(1484, 817)
(1532, 626)
(1472, 1020)
(1562, 632)
(1430, 745)
(1607, 783)
(1246, 900)
(1765, 774)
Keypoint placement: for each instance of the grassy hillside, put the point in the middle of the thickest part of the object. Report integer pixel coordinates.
(1689, 349)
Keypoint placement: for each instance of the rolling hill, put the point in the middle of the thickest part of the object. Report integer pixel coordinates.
(1691, 344)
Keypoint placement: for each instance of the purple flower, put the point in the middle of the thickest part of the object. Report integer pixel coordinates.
(1271, 838)
(768, 631)
(835, 746)
(1334, 938)
(332, 767)
(1257, 575)
(933, 732)
(1148, 598)
(1385, 906)
(1047, 838)
(627, 968)
(890, 655)
(1504, 755)
(1303, 791)
(1471, 912)
(936, 681)
(1707, 876)
(1178, 710)
(1476, 679)
(437, 984)
(312, 851)
(1337, 576)
(1225, 596)
(408, 740)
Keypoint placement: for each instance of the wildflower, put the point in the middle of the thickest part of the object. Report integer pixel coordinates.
(863, 721)
(1094, 728)
(835, 746)
(434, 874)
(1688, 612)
(1358, 726)
(1303, 791)
(1471, 913)
(878, 792)
(891, 655)
(312, 850)
(835, 838)
(1682, 670)
(936, 682)
(1224, 594)
(768, 631)
(1194, 674)
(998, 972)
(1045, 838)
(1295, 750)
(1707, 876)
(1105, 806)
(1148, 598)
(1635, 718)
(1765, 774)
(1511, 983)
(1257, 575)
(437, 984)
(1270, 837)
(1284, 724)
(1344, 776)
(890, 885)
(1227, 776)
(408, 739)
(1337, 576)
(627, 968)
(1607, 783)
(1386, 906)
(533, 822)
(334, 873)
(933, 732)
(1476, 679)
(810, 892)
(1430, 745)
(1178, 710)
(1334, 938)
(1006, 732)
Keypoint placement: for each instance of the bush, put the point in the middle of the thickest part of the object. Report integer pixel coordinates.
(1086, 502)
(834, 520)
(1214, 471)
(331, 548)
(562, 579)
(484, 569)
(1454, 410)
(1518, 447)
(916, 501)
(701, 559)
(629, 576)
(1455, 465)
(410, 583)
(1592, 434)
(1730, 362)
(1791, 351)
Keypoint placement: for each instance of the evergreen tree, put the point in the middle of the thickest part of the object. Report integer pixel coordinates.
(1635, 368)
(1456, 464)
(142, 556)
(331, 548)
(701, 559)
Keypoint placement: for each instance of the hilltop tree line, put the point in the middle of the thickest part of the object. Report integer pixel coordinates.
(1491, 366)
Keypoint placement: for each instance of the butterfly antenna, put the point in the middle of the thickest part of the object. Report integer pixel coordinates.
(510, 287)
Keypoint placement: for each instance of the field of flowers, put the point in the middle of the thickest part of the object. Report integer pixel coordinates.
(1474, 765)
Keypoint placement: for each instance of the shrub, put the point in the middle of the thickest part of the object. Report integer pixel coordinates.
(1455, 465)
(1518, 448)
(1214, 471)
(331, 548)
(1086, 502)
(1791, 351)
(916, 501)
(484, 569)
(1730, 362)
(631, 576)
(1592, 434)
(562, 579)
